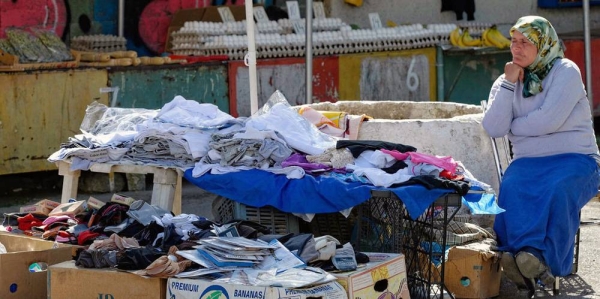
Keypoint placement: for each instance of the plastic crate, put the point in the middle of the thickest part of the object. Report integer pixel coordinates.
(335, 225)
(225, 210)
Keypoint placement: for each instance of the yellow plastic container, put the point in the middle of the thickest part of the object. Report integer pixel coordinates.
(354, 2)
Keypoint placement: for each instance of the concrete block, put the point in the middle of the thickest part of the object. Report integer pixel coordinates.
(96, 182)
(136, 181)
(437, 128)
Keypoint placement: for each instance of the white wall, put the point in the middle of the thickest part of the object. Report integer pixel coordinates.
(502, 12)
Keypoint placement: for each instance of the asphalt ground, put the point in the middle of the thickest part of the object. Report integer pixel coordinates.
(16, 191)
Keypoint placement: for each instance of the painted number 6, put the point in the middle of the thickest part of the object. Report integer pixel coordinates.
(412, 80)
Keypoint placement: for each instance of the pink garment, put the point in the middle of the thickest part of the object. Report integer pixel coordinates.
(447, 162)
(396, 154)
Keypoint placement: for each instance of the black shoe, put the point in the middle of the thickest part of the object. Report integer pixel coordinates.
(530, 283)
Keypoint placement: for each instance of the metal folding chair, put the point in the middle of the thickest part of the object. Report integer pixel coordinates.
(556, 286)
(505, 146)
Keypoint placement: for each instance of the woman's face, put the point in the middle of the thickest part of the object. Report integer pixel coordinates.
(523, 50)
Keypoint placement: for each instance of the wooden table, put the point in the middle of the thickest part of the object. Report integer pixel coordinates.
(166, 190)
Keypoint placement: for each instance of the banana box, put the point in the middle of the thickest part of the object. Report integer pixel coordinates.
(184, 288)
(66, 281)
(384, 276)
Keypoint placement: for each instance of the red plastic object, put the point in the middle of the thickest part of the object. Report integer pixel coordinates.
(196, 59)
(156, 18)
(46, 14)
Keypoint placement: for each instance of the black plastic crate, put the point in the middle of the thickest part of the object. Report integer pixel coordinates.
(334, 224)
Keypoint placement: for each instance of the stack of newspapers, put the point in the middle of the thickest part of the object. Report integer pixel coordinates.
(222, 254)
(252, 262)
(234, 251)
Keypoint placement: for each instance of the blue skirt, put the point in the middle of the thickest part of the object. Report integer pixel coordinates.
(543, 198)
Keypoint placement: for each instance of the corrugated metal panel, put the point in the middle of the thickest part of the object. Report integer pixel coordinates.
(287, 75)
(469, 74)
(152, 87)
(407, 75)
(39, 111)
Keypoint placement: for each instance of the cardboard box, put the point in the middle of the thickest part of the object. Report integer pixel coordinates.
(472, 273)
(179, 18)
(43, 206)
(385, 273)
(68, 208)
(122, 199)
(48, 204)
(180, 288)
(211, 13)
(33, 209)
(68, 281)
(16, 281)
(94, 203)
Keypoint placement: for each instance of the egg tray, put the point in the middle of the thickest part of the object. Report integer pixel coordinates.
(318, 49)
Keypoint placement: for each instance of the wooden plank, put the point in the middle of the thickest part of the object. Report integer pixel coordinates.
(11, 68)
(40, 110)
(163, 191)
(12, 63)
(178, 192)
(124, 168)
(70, 181)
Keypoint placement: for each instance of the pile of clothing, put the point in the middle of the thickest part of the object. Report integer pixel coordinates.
(147, 240)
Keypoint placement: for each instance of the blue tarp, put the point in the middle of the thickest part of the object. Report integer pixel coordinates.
(310, 194)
